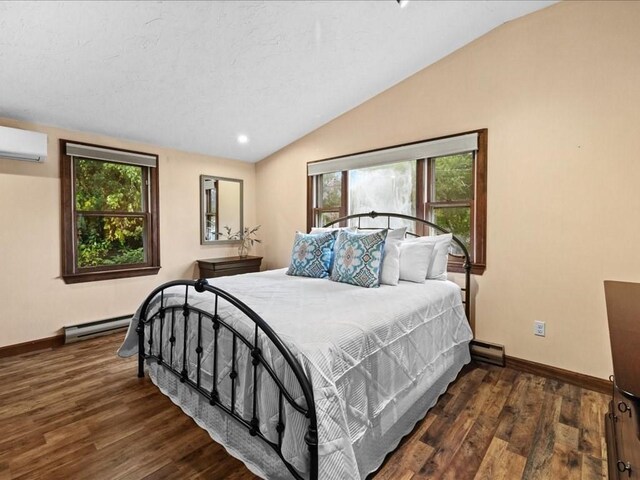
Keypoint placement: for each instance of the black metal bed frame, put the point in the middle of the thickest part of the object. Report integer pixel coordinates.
(195, 317)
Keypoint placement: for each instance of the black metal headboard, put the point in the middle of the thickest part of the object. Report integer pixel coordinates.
(465, 253)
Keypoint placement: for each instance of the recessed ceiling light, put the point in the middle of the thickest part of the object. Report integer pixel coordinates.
(242, 138)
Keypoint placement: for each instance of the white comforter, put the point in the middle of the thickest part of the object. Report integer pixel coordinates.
(370, 353)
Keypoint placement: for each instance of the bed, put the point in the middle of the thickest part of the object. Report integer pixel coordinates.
(301, 377)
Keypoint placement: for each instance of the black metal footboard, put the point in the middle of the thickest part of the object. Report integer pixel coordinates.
(195, 318)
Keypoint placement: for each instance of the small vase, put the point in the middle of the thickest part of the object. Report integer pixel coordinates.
(243, 248)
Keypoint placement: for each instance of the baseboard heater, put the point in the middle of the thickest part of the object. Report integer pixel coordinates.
(488, 352)
(85, 331)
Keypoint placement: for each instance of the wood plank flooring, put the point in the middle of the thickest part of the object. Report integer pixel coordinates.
(80, 412)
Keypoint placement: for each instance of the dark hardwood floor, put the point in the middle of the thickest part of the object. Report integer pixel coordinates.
(80, 412)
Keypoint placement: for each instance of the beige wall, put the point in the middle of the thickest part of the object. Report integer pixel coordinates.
(34, 301)
(559, 91)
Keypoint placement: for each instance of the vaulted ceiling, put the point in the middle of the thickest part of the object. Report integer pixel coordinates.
(197, 75)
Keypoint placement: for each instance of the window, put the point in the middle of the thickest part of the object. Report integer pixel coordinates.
(109, 213)
(329, 187)
(390, 188)
(441, 180)
(450, 194)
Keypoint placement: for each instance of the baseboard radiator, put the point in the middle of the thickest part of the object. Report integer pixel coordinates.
(85, 331)
(488, 352)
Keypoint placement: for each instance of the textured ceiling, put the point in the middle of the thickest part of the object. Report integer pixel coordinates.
(195, 75)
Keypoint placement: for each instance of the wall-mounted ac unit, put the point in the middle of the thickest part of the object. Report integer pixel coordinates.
(17, 144)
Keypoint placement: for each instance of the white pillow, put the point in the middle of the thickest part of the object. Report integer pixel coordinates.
(397, 233)
(438, 266)
(415, 258)
(390, 268)
(317, 230)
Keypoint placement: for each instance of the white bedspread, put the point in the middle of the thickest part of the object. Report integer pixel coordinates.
(371, 354)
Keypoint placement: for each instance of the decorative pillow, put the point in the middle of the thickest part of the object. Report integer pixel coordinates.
(415, 258)
(390, 269)
(358, 258)
(334, 231)
(441, 244)
(311, 255)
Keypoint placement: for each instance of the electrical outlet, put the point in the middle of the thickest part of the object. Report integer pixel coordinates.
(538, 328)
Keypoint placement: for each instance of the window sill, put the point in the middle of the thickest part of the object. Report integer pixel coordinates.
(109, 274)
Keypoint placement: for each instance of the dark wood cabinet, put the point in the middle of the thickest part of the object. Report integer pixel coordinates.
(623, 421)
(224, 266)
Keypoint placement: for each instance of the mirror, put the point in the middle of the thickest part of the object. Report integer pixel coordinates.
(220, 206)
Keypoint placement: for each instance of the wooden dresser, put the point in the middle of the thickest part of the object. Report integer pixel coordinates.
(623, 419)
(224, 266)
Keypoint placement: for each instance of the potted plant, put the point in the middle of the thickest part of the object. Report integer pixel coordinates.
(247, 238)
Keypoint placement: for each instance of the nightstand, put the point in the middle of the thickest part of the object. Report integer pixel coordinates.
(224, 266)
(622, 422)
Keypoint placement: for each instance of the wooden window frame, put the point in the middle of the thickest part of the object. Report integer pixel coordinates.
(479, 210)
(478, 204)
(70, 272)
(478, 218)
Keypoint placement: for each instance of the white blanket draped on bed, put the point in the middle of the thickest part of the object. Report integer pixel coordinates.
(377, 359)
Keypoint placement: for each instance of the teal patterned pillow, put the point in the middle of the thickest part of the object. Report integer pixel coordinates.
(311, 255)
(358, 258)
